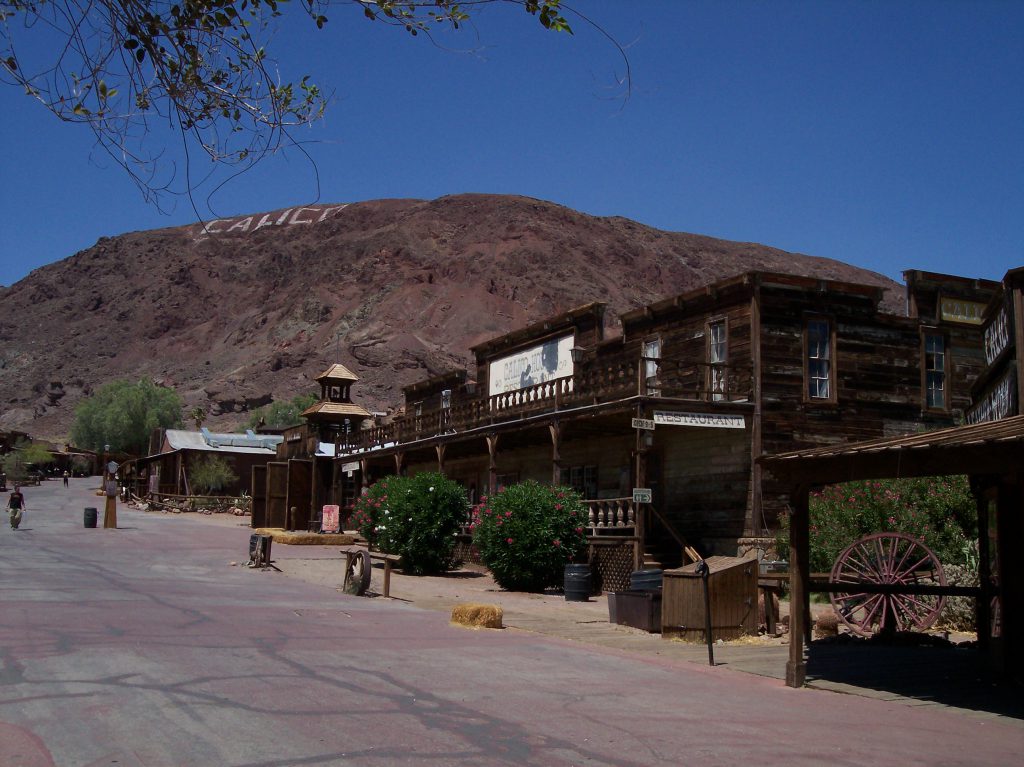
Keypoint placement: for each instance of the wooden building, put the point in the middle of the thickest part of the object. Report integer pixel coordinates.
(290, 491)
(683, 401)
(167, 470)
(989, 449)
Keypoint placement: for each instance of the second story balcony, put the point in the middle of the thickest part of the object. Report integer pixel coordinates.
(592, 384)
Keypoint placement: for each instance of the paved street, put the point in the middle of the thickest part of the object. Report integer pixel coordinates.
(143, 647)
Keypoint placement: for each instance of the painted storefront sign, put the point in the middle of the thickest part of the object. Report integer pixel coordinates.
(705, 420)
(529, 367)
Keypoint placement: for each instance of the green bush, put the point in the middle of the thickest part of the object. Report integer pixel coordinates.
(527, 533)
(416, 518)
(210, 474)
(940, 511)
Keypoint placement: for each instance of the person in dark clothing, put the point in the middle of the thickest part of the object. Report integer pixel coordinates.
(16, 505)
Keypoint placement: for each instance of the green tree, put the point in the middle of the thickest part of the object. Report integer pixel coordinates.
(123, 414)
(25, 456)
(210, 474)
(203, 67)
(282, 414)
(198, 416)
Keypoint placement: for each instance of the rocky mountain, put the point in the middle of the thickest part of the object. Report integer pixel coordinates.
(237, 313)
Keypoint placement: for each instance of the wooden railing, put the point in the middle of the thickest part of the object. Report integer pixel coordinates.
(592, 384)
(611, 515)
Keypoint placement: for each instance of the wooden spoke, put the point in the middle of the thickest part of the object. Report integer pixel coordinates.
(887, 558)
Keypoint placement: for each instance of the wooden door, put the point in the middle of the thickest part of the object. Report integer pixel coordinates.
(259, 496)
(300, 494)
(277, 494)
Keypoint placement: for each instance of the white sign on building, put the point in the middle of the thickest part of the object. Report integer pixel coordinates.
(705, 420)
(529, 367)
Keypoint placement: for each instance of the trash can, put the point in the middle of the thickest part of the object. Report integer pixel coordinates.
(90, 517)
(577, 583)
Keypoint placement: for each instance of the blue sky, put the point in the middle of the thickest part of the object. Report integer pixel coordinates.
(887, 135)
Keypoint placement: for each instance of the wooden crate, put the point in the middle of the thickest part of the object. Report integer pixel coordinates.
(732, 586)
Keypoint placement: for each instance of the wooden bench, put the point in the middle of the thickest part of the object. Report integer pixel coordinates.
(351, 552)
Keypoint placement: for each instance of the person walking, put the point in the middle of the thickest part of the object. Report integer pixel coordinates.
(16, 507)
(65, 477)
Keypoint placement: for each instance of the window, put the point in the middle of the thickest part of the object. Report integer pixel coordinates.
(582, 479)
(935, 371)
(652, 354)
(718, 350)
(446, 411)
(818, 367)
(506, 480)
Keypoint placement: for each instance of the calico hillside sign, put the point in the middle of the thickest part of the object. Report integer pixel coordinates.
(249, 224)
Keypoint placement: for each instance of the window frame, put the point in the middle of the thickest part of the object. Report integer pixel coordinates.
(652, 383)
(832, 396)
(926, 333)
(717, 366)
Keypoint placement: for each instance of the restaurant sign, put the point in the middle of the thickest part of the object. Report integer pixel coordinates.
(705, 420)
(529, 367)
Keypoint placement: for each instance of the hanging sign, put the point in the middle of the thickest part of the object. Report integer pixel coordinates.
(705, 420)
(641, 495)
(643, 423)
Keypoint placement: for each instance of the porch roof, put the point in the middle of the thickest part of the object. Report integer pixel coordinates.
(993, 447)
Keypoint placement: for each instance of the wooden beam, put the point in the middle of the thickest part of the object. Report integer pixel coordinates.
(799, 549)
(556, 452)
(492, 463)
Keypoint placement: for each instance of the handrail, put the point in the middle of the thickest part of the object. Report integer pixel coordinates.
(592, 384)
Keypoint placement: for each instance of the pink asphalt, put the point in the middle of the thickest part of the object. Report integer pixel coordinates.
(142, 647)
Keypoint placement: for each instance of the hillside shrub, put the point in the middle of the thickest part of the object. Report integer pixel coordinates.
(940, 511)
(211, 474)
(416, 518)
(527, 533)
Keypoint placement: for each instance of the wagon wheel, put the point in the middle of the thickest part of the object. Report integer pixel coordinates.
(357, 574)
(887, 558)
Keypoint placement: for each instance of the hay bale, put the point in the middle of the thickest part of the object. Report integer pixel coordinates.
(298, 538)
(477, 616)
(827, 624)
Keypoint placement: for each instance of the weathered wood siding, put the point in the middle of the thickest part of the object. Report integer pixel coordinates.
(705, 484)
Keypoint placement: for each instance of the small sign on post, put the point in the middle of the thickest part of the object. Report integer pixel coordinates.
(330, 519)
(643, 423)
(641, 495)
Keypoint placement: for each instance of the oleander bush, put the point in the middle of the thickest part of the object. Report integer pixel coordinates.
(939, 511)
(416, 518)
(527, 533)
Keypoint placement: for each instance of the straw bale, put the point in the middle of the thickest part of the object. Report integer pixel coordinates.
(299, 538)
(477, 615)
(826, 624)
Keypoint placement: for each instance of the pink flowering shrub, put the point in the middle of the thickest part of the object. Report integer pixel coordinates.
(527, 533)
(415, 517)
(939, 511)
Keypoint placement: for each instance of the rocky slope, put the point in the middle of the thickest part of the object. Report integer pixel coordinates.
(237, 313)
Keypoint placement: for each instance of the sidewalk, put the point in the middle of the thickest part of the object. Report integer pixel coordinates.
(947, 677)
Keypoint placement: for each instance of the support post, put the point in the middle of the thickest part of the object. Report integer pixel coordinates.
(440, 458)
(640, 511)
(796, 668)
(364, 474)
(399, 463)
(492, 464)
(556, 452)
